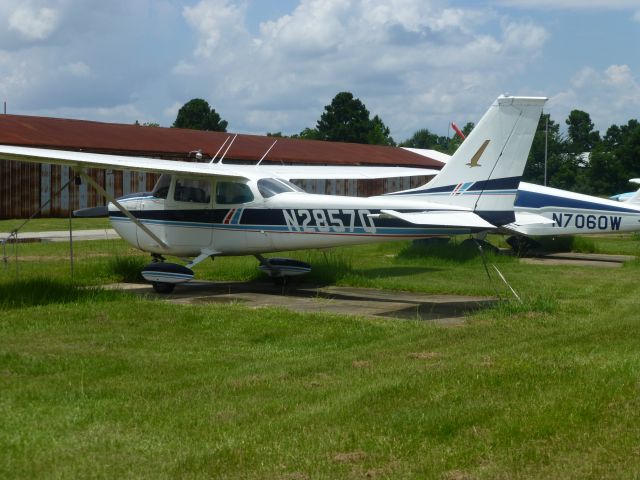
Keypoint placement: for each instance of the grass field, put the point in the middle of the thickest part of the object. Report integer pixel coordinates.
(103, 384)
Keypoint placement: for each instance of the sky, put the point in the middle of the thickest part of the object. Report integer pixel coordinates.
(273, 65)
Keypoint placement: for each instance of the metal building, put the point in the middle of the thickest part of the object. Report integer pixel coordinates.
(25, 187)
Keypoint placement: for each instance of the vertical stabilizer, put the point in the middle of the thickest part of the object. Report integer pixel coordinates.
(485, 171)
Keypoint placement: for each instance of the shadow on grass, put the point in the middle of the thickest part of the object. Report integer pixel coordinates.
(33, 292)
(462, 252)
(328, 266)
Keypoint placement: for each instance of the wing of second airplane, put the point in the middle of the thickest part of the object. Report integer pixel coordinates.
(447, 218)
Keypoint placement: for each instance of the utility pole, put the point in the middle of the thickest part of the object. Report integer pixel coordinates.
(546, 146)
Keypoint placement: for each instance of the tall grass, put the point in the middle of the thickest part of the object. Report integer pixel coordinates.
(126, 269)
(41, 291)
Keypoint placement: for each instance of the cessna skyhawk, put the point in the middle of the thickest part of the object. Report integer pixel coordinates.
(201, 210)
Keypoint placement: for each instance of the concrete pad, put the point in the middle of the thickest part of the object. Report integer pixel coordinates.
(572, 263)
(599, 257)
(305, 298)
(580, 259)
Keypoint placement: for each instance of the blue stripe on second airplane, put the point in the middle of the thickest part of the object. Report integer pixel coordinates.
(526, 199)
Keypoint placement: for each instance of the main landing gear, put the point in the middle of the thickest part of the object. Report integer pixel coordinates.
(164, 276)
(281, 269)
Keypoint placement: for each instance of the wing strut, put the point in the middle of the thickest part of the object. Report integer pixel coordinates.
(119, 206)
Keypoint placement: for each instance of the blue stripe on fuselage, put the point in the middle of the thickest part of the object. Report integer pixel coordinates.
(527, 199)
(358, 231)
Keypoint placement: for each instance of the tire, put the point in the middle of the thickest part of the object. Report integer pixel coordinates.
(162, 287)
(280, 281)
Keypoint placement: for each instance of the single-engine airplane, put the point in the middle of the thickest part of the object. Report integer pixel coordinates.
(199, 211)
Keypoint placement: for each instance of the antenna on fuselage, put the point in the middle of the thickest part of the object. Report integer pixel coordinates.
(266, 153)
(228, 147)
(213, 159)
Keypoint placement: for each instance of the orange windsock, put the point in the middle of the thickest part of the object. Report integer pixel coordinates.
(458, 131)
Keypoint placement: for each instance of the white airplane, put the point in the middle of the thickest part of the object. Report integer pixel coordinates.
(199, 211)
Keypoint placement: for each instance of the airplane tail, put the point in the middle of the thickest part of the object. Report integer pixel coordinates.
(635, 198)
(485, 171)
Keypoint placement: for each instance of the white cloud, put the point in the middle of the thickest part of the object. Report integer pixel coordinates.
(572, 4)
(610, 96)
(34, 23)
(171, 112)
(636, 16)
(76, 69)
(410, 61)
(526, 36)
(218, 24)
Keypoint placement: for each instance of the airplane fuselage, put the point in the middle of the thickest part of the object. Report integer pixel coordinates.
(287, 221)
(574, 213)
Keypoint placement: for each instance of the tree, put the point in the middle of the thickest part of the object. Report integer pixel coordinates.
(605, 174)
(379, 134)
(346, 119)
(308, 134)
(469, 126)
(561, 168)
(582, 137)
(196, 114)
(422, 138)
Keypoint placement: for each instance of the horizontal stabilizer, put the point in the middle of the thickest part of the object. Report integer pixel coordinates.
(442, 219)
(526, 218)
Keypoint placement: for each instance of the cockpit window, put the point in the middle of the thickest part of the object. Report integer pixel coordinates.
(233, 192)
(192, 190)
(268, 187)
(161, 188)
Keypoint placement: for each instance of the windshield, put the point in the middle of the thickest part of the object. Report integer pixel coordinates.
(268, 187)
(161, 189)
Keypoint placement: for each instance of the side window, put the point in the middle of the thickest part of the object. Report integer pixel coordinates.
(233, 192)
(192, 190)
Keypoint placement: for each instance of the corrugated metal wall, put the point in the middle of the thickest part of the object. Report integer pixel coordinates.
(25, 187)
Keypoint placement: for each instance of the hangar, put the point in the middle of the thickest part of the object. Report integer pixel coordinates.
(25, 187)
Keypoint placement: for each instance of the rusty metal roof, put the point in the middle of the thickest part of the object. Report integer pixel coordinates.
(45, 132)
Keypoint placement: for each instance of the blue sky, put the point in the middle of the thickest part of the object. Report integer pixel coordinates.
(274, 65)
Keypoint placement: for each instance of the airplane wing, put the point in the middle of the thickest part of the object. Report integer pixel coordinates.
(155, 165)
(432, 154)
(117, 162)
(442, 218)
(308, 172)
